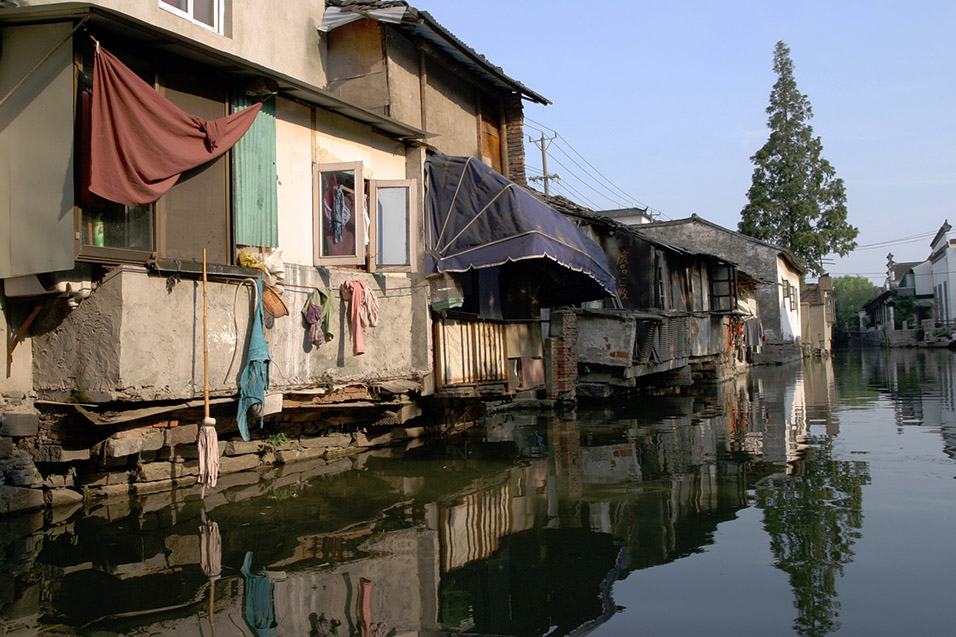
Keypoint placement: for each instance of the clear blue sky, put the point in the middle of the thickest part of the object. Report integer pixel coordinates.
(666, 100)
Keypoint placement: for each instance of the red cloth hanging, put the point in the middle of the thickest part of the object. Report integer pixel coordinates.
(141, 142)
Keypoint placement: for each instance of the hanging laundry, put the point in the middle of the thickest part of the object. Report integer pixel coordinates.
(254, 378)
(318, 312)
(141, 142)
(363, 311)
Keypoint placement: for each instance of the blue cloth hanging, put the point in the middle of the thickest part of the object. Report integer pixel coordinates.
(254, 378)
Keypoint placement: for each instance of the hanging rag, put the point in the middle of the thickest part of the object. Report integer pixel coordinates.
(318, 312)
(363, 311)
(208, 446)
(340, 214)
(141, 142)
(254, 378)
(753, 332)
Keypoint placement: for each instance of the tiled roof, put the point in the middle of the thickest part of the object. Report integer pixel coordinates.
(694, 218)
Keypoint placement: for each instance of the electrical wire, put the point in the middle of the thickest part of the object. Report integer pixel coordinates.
(627, 196)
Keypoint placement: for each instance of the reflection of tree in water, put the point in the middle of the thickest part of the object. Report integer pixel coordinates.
(813, 518)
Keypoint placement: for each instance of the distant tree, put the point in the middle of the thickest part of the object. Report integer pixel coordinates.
(795, 199)
(850, 293)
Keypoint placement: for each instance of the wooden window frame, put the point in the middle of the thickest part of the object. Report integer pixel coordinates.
(358, 215)
(731, 282)
(412, 242)
(84, 248)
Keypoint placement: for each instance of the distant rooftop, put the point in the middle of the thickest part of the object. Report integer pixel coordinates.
(422, 25)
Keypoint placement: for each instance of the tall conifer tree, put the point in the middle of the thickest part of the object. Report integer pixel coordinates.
(796, 200)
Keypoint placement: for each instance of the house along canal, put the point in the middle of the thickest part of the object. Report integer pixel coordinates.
(811, 499)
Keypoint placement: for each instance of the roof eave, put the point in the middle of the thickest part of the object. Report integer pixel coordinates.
(111, 20)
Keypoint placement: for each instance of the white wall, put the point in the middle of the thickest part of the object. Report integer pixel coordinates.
(283, 39)
(294, 170)
(790, 327)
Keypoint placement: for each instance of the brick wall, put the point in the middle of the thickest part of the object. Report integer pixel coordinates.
(514, 121)
(564, 355)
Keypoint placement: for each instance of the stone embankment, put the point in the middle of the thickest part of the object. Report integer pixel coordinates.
(62, 459)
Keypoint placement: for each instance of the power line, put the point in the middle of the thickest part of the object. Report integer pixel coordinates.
(891, 242)
(558, 162)
(633, 201)
(623, 204)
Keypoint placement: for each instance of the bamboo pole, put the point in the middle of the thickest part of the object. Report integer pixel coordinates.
(205, 343)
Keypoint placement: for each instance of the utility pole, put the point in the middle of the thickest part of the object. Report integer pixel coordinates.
(546, 177)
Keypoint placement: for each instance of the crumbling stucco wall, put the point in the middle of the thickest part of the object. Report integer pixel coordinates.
(134, 340)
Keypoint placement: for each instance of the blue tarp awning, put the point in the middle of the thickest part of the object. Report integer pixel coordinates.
(477, 218)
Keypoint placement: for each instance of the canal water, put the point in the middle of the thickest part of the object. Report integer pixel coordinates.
(808, 499)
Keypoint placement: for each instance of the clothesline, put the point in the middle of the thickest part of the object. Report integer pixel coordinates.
(384, 292)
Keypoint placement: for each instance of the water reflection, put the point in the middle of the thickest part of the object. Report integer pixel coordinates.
(813, 516)
(523, 527)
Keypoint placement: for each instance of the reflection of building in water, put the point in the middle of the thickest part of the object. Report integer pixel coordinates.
(517, 533)
(470, 526)
(946, 415)
(922, 384)
(819, 383)
(395, 589)
(778, 398)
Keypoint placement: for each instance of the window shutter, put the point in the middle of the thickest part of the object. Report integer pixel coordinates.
(257, 209)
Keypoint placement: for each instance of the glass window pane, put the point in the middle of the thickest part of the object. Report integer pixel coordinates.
(392, 226)
(205, 11)
(721, 288)
(179, 4)
(115, 226)
(338, 213)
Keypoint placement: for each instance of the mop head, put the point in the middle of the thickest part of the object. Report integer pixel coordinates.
(208, 444)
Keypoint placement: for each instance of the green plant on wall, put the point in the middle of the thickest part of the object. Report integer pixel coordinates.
(905, 309)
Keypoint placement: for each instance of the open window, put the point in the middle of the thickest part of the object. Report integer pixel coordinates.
(339, 218)
(393, 243)
(723, 287)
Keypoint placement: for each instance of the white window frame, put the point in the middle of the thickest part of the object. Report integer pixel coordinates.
(358, 215)
(412, 243)
(188, 13)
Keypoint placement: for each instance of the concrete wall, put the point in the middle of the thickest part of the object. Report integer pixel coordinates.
(451, 112)
(17, 377)
(339, 139)
(606, 339)
(134, 340)
(335, 139)
(758, 260)
(404, 71)
(285, 40)
(294, 172)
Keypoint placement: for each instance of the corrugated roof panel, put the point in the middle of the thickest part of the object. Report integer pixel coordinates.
(256, 205)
